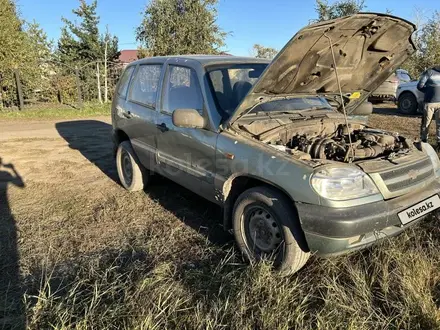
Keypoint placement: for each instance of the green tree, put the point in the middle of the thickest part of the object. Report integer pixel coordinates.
(171, 27)
(68, 47)
(82, 42)
(337, 9)
(11, 36)
(11, 41)
(82, 45)
(23, 47)
(36, 68)
(428, 43)
(260, 51)
(40, 45)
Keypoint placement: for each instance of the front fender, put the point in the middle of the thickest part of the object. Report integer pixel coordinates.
(237, 155)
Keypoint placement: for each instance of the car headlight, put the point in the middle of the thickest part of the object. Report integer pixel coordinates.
(429, 150)
(342, 183)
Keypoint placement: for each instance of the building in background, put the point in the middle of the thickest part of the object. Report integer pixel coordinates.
(128, 55)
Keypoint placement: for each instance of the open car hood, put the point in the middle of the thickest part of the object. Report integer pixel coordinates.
(368, 47)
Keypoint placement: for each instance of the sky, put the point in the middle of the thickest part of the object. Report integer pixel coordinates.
(268, 22)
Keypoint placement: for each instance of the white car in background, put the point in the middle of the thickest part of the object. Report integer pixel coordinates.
(409, 98)
(387, 91)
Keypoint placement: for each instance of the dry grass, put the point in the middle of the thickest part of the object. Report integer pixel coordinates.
(54, 111)
(92, 255)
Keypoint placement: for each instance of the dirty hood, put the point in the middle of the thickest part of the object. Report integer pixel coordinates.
(367, 47)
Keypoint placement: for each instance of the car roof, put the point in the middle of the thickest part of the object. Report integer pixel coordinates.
(205, 60)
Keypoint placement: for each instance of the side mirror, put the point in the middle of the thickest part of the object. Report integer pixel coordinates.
(188, 118)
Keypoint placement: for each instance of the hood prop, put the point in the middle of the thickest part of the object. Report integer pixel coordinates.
(350, 147)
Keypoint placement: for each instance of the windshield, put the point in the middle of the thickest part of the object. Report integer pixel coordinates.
(294, 104)
(232, 82)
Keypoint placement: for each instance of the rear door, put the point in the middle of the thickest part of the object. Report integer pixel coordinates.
(185, 155)
(120, 100)
(141, 111)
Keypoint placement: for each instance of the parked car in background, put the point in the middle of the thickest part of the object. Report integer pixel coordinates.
(270, 143)
(409, 98)
(387, 91)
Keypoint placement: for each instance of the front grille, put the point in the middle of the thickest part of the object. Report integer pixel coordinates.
(393, 187)
(407, 176)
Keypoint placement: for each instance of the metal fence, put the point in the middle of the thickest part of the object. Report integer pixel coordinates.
(58, 83)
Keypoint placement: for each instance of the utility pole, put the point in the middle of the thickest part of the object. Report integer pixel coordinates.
(99, 83)
(105, 68)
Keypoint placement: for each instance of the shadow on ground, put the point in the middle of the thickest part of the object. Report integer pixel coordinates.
(92, 139)
(391, 110)
(11, 302)
(194, 211)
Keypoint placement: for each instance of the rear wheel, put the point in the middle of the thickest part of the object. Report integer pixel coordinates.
(407, 104)
(131, 173)
(267, 227)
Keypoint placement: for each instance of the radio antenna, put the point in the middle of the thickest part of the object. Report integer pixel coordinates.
(342, 99)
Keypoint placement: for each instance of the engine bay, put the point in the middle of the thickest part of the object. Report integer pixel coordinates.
(344, 145)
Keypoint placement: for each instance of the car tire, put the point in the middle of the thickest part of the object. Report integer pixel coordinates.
(266, 226)
(407, 104)
(132, 174)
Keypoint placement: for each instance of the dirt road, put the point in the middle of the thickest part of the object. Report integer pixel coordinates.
(47, 129)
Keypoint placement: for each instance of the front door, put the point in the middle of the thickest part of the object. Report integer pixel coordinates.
(185, 155)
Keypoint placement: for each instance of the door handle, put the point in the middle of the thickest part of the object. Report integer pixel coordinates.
(127, 114)
(162, 127)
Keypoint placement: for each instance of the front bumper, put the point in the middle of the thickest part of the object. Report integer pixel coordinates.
(333, 231)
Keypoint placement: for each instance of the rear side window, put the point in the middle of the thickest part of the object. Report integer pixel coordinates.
(145, 84)
(125, 80)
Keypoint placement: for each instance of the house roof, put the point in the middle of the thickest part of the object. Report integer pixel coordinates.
(128, 55)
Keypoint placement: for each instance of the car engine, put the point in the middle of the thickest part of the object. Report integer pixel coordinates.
(365, 143)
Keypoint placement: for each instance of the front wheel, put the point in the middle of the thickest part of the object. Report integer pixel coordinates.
(131, 174)
(265, 227)
(407, 104)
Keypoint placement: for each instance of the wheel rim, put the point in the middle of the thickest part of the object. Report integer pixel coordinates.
(406, 104)
(127, 167)
(264, 229)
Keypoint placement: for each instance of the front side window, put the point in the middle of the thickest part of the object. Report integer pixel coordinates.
(231, 83)
(145, 85)
(182, 90)
(125, 80)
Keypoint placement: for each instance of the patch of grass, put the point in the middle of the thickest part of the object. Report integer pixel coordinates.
(120, 261)
(57, 112)
(387, 287)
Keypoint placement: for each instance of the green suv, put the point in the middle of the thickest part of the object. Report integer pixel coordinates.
(277, 144)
